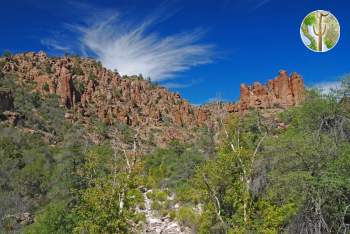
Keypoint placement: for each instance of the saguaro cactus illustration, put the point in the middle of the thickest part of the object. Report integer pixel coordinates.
(320, 32)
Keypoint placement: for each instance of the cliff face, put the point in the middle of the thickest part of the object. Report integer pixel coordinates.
(89, 91)
(82, 83)
(281, 92)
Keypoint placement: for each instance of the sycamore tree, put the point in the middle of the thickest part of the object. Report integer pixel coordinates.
(226, 183)
(108, 204)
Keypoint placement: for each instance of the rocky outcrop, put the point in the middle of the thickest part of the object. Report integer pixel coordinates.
(82, 83)
(89, 91)
(281, 92)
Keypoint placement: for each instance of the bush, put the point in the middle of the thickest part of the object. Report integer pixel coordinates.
(46, 87)
(79, 85)
(48, 69)
(7, 53)
(35, 99)
(54, 219)
(156, 205)
(172, 167)
(161, 195)
(77, 70)
(102, 129)
(186, 216)
(92, 76)
(127, 133)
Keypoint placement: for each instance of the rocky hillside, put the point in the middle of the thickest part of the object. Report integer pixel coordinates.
(93, 95)
(90, 92)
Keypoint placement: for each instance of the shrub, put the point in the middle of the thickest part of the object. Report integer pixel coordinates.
(35, 99)
(102, 129)
(77, 69)
(48, 69)
(186, 216)
(127, 133)
(46, 87)
(79, 85)
(7, 53)
(156, 205)
(161, 195)
(92, 76)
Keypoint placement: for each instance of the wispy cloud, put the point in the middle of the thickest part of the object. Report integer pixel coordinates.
(176, 85)
(327, 86)
(134, 48)
(55, 45)
(218, 98)
(261, 3)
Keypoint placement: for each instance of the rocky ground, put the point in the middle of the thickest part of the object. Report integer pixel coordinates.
(156, 224)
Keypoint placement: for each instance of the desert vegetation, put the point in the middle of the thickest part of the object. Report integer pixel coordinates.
(252, 176)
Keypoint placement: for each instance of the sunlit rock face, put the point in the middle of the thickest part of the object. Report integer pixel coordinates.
(282, 92)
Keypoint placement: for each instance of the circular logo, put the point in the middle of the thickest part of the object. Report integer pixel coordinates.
(320, 31)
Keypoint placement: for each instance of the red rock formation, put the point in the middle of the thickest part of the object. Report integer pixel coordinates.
(90, 91)
(283, 91)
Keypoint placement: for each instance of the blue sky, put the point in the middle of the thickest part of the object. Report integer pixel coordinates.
(202, 49)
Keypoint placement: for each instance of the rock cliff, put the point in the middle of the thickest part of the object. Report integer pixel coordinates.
(90, 92)
(282, 92)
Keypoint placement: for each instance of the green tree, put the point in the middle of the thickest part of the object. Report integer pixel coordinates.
(108, 203)
(313, 170)
(225, 182)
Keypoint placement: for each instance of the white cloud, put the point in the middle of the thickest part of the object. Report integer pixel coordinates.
(261, 4)
(136, 48)
(326, 86)
(176, 85)
(53, 44)
(173, 85)
(216, 99)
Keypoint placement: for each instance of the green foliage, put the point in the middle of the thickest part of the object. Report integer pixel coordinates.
(270, 218)
(127, 133)
(259, 179)
(79, 85)
(305, 30)
(227, 187)
(329, 43)
(48, 69)
(7, 53)
(172, 167)
(187, 217)
(310, 19)
(35, 174)
(46, 87)
(30, 170)
(92, 76)
(99, 209)
(158, 195)
(54, 219)
(38, 113)
(77, 70)
(305, 174)
(102, 129)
